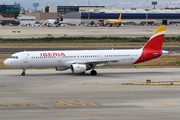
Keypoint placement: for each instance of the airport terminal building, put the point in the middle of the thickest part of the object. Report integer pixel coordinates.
(67, 9)
(163, 18)
(85, 14)
(102, 13)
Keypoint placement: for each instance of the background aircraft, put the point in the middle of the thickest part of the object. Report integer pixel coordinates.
(52, 21)
(111, 22)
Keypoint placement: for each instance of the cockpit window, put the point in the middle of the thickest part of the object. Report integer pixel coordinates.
(14, 57)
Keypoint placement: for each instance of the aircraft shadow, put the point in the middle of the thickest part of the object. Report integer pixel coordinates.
(114, 74)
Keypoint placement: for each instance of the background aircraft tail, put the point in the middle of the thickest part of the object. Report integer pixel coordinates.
(156, 41)
(120, 16)
(58, 17)
(57, 20)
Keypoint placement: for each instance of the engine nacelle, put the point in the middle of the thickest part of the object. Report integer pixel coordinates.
(78, 68)
(61, 68)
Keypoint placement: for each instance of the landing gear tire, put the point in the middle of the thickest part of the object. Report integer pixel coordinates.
(93, 72)
(23, 74)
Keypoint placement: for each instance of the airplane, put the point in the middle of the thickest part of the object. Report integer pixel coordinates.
(80, 61)
(52, 21)
(111, 22)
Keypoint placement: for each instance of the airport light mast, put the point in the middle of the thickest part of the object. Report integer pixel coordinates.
(154, 3)
(88, 10)
(146, 15)
(35, 5)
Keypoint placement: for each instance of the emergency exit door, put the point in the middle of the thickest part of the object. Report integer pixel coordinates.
(25, 58)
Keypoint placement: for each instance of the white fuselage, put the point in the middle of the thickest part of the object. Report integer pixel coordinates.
(44, 59)
(50, 21)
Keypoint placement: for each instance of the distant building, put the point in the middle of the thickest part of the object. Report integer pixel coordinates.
(5, 19)
(10, 9)
(27, 20)
(94, 9)
(42, 17)
(68, 9)
(73, 17)
(137, 16)
(99, 14)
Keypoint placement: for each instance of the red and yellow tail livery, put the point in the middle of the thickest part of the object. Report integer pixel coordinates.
(153, 47)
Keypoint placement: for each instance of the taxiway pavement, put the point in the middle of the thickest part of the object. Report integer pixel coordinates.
(123, 31)
(47, 94)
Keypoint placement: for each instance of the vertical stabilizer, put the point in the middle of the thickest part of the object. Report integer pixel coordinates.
(153, 47)
(57, 20)
(156, 41)
(120, 16)
(58, 17)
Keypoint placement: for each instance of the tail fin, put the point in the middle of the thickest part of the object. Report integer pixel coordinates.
(120, 16)
(57, 17)
(156, 41)
(153, 47)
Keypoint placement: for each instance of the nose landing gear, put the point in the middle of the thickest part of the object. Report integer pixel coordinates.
(23, 73)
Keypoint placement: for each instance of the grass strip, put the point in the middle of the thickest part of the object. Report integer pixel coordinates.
(83, 39)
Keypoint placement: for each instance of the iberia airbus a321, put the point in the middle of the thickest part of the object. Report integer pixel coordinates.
(83, 60)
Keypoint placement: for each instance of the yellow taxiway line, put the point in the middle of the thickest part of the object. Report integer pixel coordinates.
(37, 105)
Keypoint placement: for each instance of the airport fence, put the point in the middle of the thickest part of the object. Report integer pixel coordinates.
(95, 25)
(62, 25)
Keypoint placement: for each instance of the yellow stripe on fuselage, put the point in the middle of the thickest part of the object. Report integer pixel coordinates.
(160, 29)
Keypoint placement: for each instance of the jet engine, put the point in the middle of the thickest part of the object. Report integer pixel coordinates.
(61, 68)
(78, 68)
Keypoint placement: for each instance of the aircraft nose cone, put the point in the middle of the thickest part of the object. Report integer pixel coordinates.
(6, 63)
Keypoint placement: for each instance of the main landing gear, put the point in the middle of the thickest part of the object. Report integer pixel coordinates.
(23, 73)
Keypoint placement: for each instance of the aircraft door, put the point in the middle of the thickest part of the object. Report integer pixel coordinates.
(100, 56)
(25, 58)
(59, 58)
